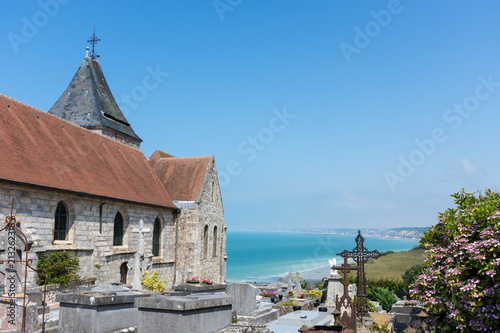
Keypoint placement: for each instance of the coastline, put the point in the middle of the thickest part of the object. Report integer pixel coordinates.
(331, 233)
(264, 257)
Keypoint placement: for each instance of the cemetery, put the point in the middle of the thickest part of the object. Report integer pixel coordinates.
(195, 305)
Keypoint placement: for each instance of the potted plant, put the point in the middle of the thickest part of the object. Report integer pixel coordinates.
(193, 279)
(209, 282)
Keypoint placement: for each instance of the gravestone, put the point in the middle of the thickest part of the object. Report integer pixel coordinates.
(105, 309)
(139, 256)
(290, 286)
(244, 301)
(298, 287)
(360, 255)
(281, 284)
(345, 304)
(200, 313)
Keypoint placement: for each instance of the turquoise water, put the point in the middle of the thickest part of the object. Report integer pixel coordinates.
(264, 256)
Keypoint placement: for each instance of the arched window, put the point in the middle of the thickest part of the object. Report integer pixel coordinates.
(214, 253)
(118, 230)
(156, 237)
(205, 242)
(61, 222)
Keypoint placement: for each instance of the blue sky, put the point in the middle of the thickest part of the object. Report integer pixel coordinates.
(319, 113)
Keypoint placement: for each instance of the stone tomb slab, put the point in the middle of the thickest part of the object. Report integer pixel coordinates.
(244, 295)
(194, 288)
(200, 313)
(299, 318)
(93, 312)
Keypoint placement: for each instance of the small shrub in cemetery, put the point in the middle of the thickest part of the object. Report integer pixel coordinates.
(59, 267)
(376, 327)
(151, 282)
(383, 296)
(371, 307)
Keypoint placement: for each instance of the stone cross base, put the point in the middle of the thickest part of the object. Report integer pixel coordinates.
(334, 288)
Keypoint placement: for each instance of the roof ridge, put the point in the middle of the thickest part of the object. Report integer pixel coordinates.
(69, 122)
(185, 157)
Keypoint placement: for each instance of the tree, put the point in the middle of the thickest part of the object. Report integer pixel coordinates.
(460, 286)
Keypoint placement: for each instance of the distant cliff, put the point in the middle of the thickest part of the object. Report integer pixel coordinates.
(406, 233)
(412, 233)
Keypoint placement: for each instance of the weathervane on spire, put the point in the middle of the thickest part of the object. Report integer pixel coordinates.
(93, 41)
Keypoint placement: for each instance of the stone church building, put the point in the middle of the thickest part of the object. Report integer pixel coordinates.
(80, 183)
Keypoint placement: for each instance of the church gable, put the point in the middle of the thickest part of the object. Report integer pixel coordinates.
(182, 176)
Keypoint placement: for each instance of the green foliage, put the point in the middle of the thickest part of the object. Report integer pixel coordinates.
(372, 307)
(320, 285)
(379, 327)
(383, 296)
(411, 275)
(387, 252)
(459, 285)
(59, 267)
(388, 284)
(151, 282)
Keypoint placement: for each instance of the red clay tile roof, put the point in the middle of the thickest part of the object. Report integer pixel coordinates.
(42, 149)
(182, 176)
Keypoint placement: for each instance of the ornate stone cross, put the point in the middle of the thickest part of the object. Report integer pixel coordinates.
(298, 286)
(139, 255)
(141, 230)
(360, 255)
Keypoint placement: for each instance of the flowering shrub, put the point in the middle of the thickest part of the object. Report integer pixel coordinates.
(193, 279)
(151, 282)
(460, 286)
(269, 293)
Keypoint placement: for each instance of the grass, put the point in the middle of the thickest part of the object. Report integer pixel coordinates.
(392, 266)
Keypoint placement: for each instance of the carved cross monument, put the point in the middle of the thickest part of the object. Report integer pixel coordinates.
(298, 286)
(348, 320)
(139, 255)
(360, 255)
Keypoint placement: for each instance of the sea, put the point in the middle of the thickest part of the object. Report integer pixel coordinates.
(263, 257)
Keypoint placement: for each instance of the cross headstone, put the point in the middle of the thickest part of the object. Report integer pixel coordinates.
(139, 255)
(349, 321)
(290, 287)
(298, 286)
(360, 255)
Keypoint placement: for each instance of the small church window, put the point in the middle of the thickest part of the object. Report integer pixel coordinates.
(215, 242)
(205, 242)
(156, 237)
(61, 221)
(118, 230)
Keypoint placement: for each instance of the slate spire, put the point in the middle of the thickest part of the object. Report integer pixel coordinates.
(88, 102)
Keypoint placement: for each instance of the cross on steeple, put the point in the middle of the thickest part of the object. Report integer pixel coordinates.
(360, 255)
(93, 41)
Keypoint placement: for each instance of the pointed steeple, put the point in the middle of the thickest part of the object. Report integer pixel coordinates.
(88, 102)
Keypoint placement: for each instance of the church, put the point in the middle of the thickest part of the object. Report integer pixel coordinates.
(81, 184)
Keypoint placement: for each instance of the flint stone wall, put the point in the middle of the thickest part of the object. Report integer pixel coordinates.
(35, 211)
